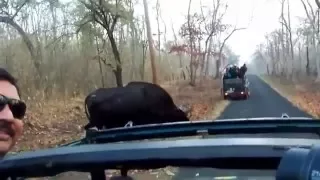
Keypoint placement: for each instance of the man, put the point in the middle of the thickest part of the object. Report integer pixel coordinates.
(243, 70)
(12, 110)
(233, 71)
(227, 74)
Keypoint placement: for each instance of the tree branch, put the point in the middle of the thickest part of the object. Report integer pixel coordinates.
(114, 22)
(19, 8)
(318, 3)
(8, 20)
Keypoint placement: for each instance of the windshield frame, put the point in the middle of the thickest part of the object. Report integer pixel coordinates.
(237, 153)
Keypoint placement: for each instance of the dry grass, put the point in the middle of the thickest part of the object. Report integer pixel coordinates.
(204, 99)
(50, 123)
(304, 93)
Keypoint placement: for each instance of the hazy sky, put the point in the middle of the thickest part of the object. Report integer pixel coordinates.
(264, 16)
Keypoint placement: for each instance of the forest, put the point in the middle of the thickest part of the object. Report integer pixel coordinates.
(290, 57)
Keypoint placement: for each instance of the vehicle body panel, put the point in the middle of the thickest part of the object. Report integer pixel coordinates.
(172, 152)
(93, 154)
(235, 88)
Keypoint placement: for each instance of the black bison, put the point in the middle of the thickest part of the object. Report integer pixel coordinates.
(138, 102)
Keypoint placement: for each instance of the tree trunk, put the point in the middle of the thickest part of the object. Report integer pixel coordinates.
(150, 42)
(118, 69)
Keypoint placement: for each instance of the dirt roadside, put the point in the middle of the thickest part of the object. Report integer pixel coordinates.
(303, 94)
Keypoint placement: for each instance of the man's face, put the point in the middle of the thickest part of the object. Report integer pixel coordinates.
(10, 128)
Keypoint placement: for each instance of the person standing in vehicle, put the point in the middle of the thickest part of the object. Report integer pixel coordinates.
(227, 73)
(243, 70)
(12, 110)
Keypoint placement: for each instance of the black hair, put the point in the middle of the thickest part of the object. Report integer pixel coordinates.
(5, 75)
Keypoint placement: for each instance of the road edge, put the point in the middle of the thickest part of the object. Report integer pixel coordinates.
(284, 94)
(219, 109)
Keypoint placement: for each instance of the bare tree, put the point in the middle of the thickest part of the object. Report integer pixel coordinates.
(107, 15)
(158, 28)
(287, 25)
(312, 21)
(150, 40)
(218, 62)
(192, 79)
(213, 26)
(9, 18)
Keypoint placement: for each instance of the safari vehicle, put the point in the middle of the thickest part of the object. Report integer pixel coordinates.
(220, 149)
(234, 85)
(235, 88)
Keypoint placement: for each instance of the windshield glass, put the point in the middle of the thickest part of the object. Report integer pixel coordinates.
(175, 173)
(89, 64)
(189, 51)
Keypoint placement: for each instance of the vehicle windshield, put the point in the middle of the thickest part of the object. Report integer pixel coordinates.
(85, 65)
(179, 173)
(69, 55)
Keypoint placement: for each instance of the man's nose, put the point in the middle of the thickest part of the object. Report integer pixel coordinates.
(6, 113)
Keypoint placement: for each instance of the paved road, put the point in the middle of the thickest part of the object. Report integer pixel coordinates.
(263, 102)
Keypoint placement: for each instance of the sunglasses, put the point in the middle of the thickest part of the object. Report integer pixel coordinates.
(17, 107)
